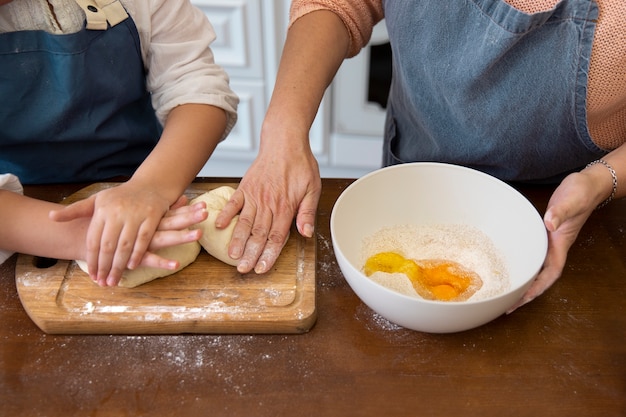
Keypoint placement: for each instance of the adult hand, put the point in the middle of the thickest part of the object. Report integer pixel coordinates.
(569, 207)
(279, 185)
(123, 222)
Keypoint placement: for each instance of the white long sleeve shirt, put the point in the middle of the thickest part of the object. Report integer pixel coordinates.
(9, 182)
(175, 41)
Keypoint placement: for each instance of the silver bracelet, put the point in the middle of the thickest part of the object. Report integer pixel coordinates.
(613, 175)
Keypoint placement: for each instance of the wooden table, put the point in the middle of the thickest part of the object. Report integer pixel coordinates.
(562, 355)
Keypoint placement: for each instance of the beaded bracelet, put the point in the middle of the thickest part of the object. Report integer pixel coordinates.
(613, 175)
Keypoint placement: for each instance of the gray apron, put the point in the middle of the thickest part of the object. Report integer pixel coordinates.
(481, 84)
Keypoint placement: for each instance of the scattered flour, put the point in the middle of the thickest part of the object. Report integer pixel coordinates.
(463, 244)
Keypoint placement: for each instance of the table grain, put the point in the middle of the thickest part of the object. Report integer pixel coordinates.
(564, 354)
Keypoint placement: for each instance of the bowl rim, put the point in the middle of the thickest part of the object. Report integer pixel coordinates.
(526, 284)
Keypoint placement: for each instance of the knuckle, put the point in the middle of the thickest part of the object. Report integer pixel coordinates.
(125, 245)
(276, 238)
(259, 232)
(246, 221)
(108, 247)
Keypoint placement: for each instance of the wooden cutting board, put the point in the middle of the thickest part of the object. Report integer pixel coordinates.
(208, 296)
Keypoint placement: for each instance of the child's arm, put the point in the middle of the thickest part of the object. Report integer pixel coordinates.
(25, 227)
(125, 218)
(192, 98)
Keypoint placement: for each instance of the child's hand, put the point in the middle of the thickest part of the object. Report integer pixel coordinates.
(173, 230)
(123, 223)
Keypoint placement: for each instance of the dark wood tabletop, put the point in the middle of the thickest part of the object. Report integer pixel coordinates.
(564, 354)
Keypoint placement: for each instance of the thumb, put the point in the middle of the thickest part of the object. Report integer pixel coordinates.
(305, 219)
(181, 202)
(82, 208)
(551, 220)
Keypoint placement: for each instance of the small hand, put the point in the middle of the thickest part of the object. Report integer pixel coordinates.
(123, 222)
(173, 230)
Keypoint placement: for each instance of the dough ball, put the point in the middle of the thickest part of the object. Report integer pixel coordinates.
(215, 241)
(185, 254)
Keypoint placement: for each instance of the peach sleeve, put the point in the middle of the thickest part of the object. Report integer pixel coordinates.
(359, 17)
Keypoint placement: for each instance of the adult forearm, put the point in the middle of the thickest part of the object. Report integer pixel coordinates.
(315, 47)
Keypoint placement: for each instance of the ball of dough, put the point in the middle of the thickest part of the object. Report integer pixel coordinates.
(185, 254)
(215, 241)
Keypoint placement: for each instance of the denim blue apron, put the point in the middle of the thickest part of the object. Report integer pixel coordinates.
(74, 107)
(481, 84)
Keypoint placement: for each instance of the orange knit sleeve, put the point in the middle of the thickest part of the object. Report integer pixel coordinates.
(359, 17)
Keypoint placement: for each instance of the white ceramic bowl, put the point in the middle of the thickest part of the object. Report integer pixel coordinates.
(436, 193)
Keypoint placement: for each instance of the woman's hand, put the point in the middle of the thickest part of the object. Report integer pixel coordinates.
(276, 188)
(570, 206)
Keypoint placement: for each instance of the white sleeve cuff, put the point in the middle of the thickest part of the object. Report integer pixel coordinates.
(12, 183)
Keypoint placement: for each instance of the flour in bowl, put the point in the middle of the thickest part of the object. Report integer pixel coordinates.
(461, 244)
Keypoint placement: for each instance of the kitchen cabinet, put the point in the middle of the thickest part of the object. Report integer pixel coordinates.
(346, 137)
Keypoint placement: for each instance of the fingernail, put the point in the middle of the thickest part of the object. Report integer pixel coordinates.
(243, 267)
(261, 267)
(235, 253)
(308, 230)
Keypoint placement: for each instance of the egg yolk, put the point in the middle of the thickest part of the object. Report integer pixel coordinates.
(433, 279)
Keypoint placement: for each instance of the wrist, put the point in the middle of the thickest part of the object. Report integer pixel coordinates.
(284, 137)
(607, 178)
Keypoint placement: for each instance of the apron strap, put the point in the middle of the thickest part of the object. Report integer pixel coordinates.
(101, 12)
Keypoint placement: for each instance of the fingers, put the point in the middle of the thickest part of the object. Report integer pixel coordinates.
(259, 235)
(164, 239)
(94, 232)
(263, 236)
(279, 233)
(111, 255)
(265, 221)
(141, 242)
(232, 207)
(558, 246)
(152, 260)
(305, 220)
(276, 240)
(110, 276)
(184, 217)
(119, 237)
(548, 275)
(243, 227)
(250, 236)
(114, 246)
